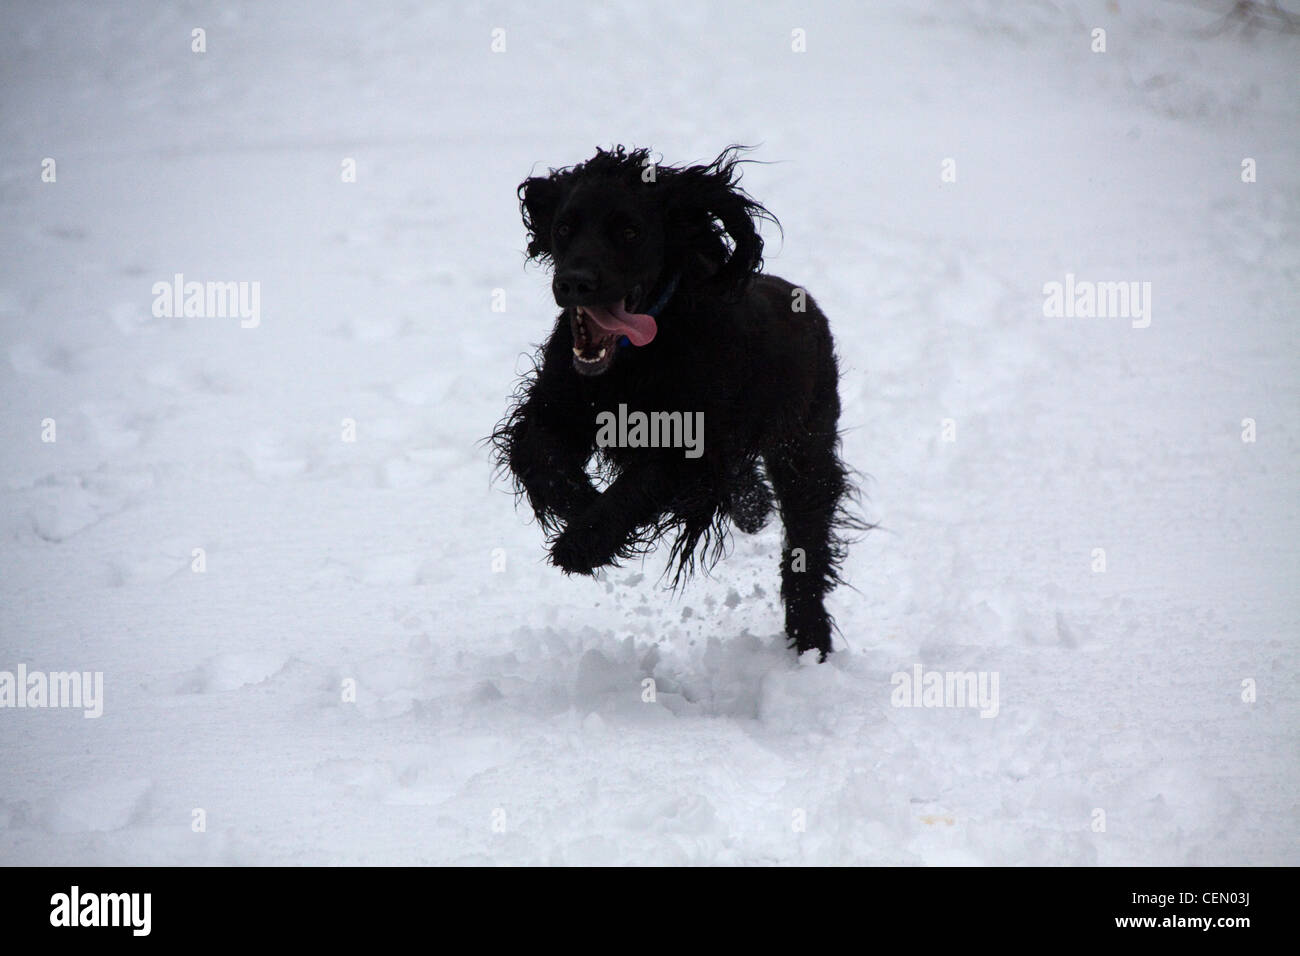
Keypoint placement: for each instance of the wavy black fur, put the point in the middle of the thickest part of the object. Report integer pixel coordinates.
(750, 351)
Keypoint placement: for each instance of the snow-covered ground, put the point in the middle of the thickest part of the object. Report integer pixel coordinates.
(499, 713)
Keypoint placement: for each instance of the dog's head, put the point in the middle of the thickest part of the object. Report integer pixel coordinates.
(625, 235)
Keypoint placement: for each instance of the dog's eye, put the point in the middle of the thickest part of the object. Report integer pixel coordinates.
(562, 231)
(631, 234)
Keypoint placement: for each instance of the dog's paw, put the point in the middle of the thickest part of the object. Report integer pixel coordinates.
(751, 501)
(811, 634)
(752, 510)
(579, 551)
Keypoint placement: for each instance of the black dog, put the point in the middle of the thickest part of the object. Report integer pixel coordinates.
(657, 270)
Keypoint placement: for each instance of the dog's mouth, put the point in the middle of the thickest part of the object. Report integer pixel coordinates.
(598, 329)
(593, 348)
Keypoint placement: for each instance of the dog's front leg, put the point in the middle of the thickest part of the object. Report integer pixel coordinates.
(606, 530)
(549, 436)
(549, 467)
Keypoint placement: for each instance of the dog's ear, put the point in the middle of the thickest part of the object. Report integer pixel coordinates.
(539, 198)
(717, 222)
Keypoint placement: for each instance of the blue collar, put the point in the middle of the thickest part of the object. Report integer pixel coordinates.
(659, 304)
(664, 296)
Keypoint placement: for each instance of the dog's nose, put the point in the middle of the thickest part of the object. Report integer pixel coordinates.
(575, 286)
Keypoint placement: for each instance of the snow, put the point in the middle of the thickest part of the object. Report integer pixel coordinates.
(350, 681)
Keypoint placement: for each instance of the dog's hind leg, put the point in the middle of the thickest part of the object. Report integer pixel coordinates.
(810, 483)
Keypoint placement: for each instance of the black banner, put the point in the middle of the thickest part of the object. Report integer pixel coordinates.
(337, 905)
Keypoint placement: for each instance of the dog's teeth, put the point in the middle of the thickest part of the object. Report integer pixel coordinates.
(601, 355)
(577, 351)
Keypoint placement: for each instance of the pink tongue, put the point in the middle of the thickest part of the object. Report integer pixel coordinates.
(638, 327)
